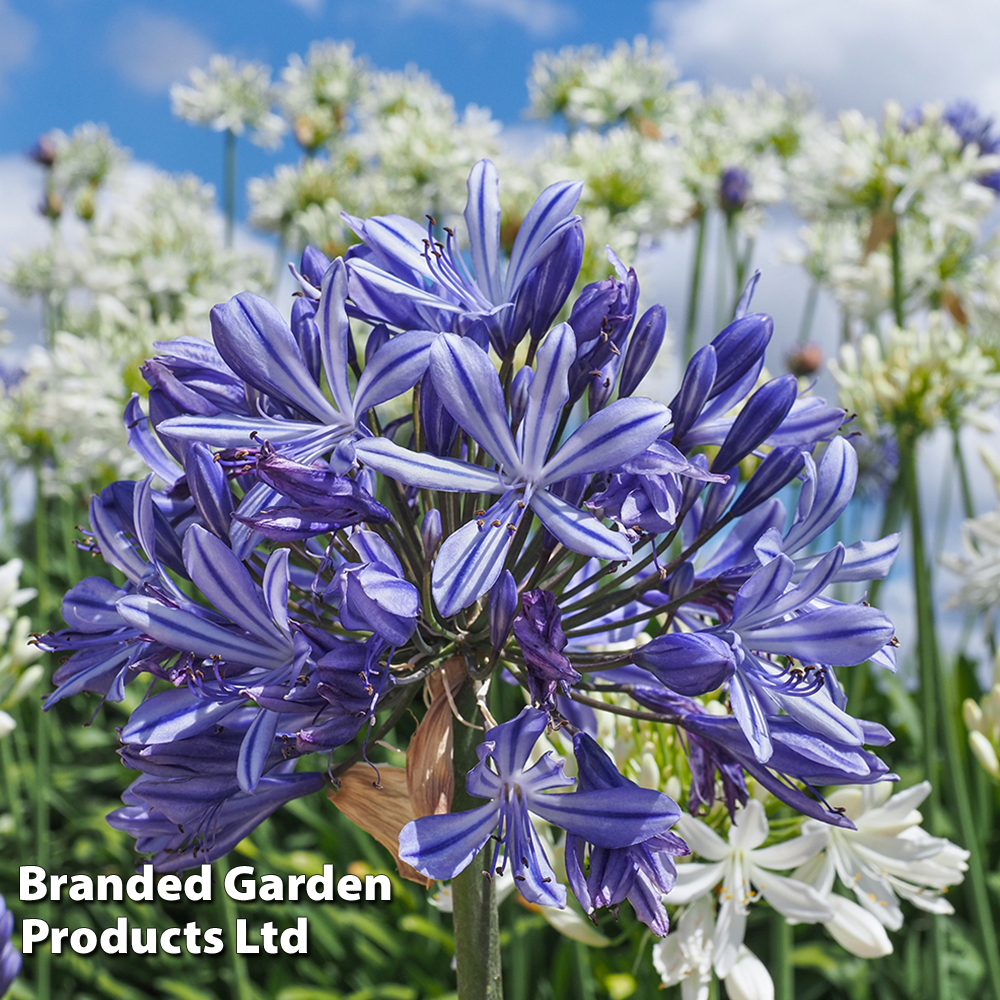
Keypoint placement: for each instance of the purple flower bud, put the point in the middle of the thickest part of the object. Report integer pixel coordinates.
(734, 190)
(431, 531)
(777, 470)
(739, 349)
(378, 337)
(757, 421)
(602, 386)
(313, 266)
(503, 605)
(206, 479)
(689, 663)
(306, 333)
(439, 426)
(642, 349)
(538, 629)
(10, 957)
(546, 289)
(699, 377)
(519, 387)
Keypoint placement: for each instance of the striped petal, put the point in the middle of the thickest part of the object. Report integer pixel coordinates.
(482, 220)
(469, 387)
(335, 331)
(442, 846)
(426, 471)
(471, 559)
(579, 530)
(394, 369)
(255, 749)
(547, 394)
(256, 342)
(606, 440)
(539, 234)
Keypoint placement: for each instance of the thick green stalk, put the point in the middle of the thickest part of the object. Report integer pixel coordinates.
(897, 276)
(782, 971)
(243, 990)
(809, 313)
(229, 185)
(927, 657)
(691, 324)
(474, 898)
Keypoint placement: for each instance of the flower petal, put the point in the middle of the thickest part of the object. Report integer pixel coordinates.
(579, 530)
(424, 470)
(482, 220)
(442, 846)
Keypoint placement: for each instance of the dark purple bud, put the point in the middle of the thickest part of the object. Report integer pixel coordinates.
(690, 663)
(734, 190)
(739, 348)
(431, 532)
(206, 479)
(602, 386)
(519, 387)
(699, 377)
(777, 470)
(642, 349)
(185, 399)
(483, 333)
(757, 421)
(538, 630)
(306, 333)
(743, 306)
(378, 337)
(546, 289)
(313, 266)
(44, 154)
(439, 426)
(718, 497)
(681, 581)
(503, 605)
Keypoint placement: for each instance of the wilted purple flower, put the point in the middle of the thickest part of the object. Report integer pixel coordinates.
(539, 632)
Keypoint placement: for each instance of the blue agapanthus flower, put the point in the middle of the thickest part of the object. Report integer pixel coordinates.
(334, 514)
(611, 818)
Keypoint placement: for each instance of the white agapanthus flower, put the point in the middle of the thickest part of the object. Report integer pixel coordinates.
(983, 722)
(687, 957)
(747, 872)
(231, 96)
(318, 93)
(889, 856)
(918, 377)
(17, 676)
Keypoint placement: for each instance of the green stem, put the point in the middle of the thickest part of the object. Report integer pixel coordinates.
(43, 838)
(809, 313)
(897, 276)
(241, 976)
(691, 324)
(927, 656)
(229, 185)
(968, 506)
(782, 971)
(477, 928)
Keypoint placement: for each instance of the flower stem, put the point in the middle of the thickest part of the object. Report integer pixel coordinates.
(477, 928)
(691, 324)
(782, 970)
(897, 276)
(229, 188)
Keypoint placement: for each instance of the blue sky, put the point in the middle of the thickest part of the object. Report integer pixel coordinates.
(112, 61)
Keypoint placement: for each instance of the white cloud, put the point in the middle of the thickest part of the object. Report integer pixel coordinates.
(854, 53)
(539, 18)
(17, 40)
(152, 51)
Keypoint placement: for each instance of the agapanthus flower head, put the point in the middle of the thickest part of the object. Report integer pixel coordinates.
(231, 96)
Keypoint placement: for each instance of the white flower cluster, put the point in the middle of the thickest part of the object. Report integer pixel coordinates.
(862, 187)
(918, 377)
(148, 269)
(231, 96)
(18, 671)
(393, 142)
(886, 858)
